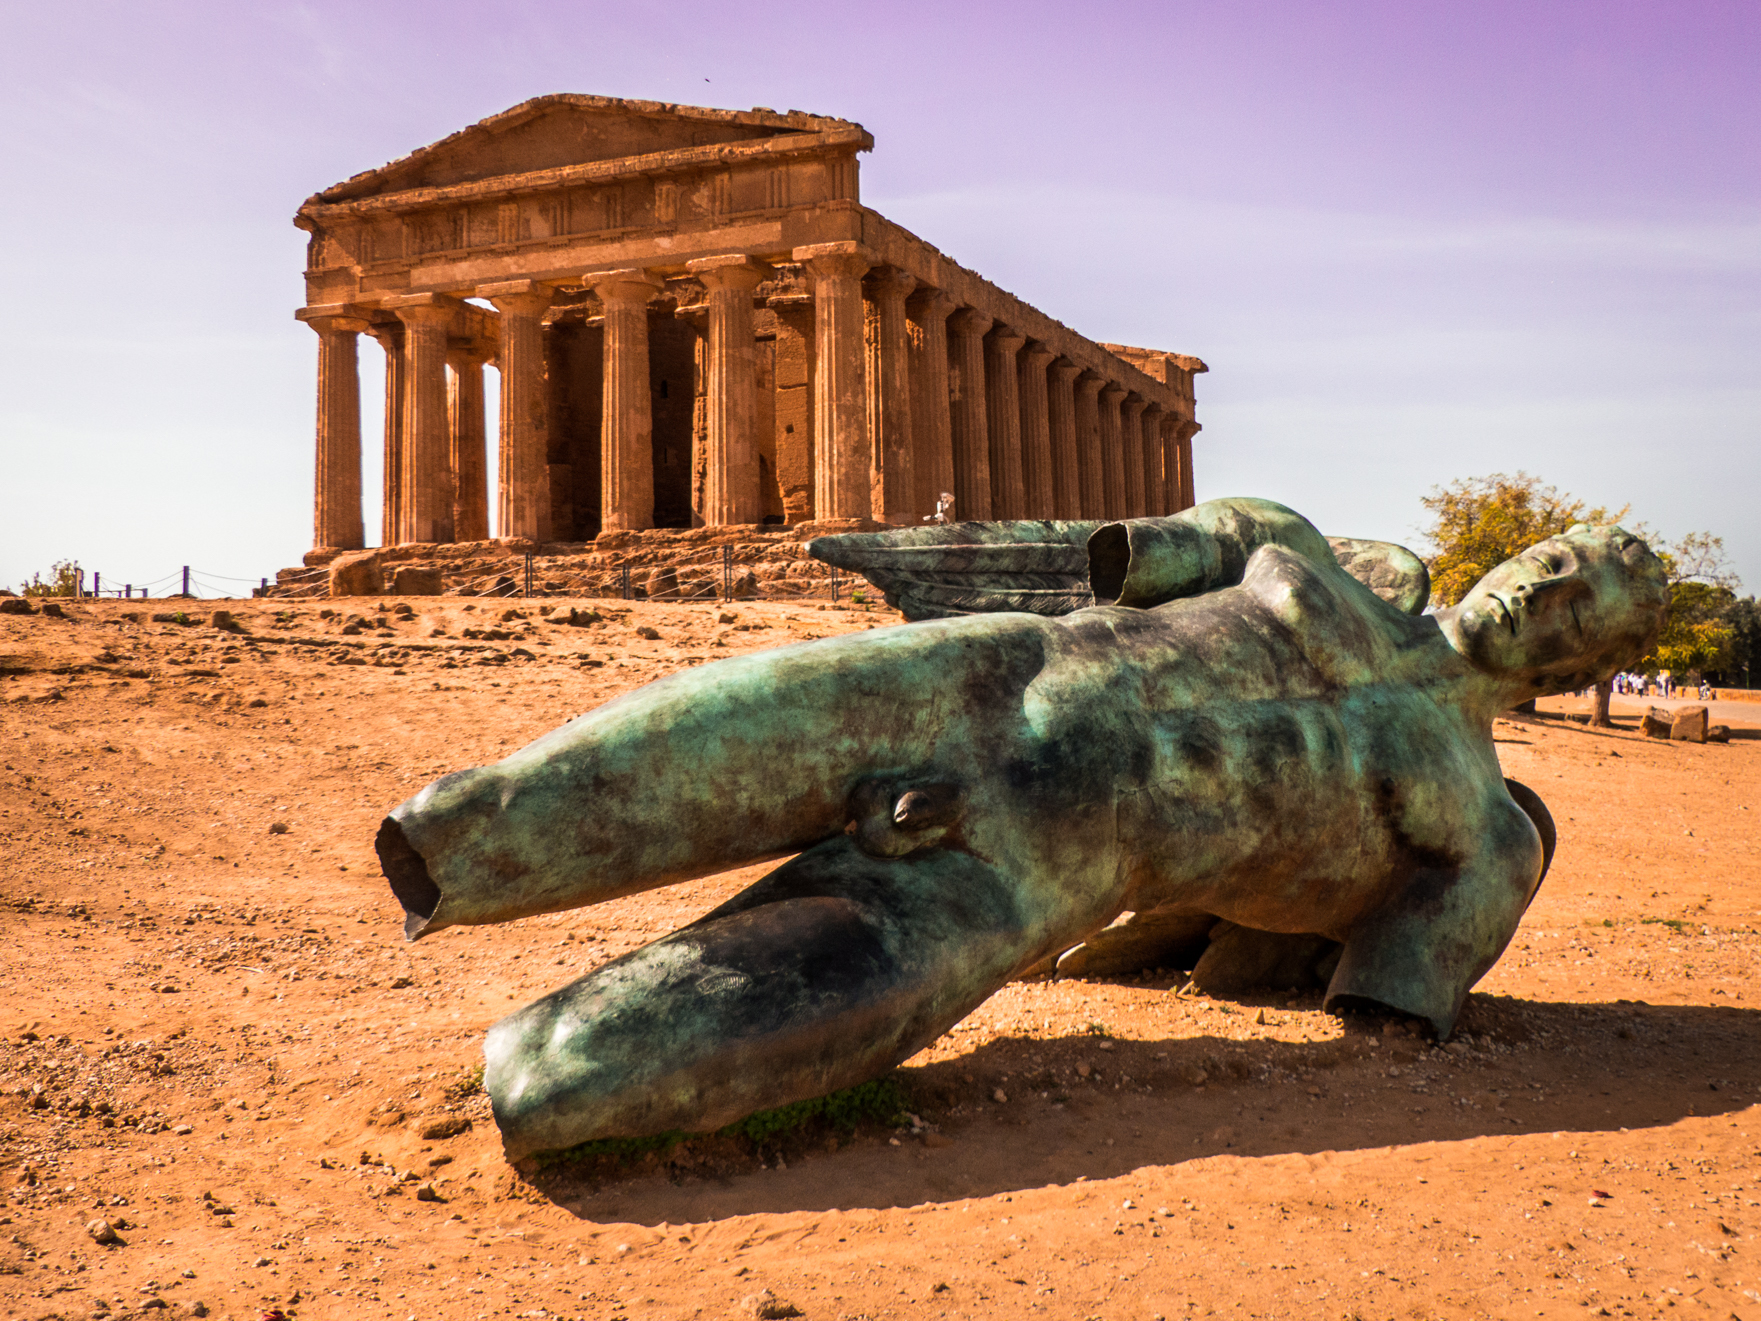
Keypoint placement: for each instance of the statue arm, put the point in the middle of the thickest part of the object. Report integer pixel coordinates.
(1446, 921)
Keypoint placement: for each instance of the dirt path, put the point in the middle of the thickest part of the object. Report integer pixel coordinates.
(212, 1036)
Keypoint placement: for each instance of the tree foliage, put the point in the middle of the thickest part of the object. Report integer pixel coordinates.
(1479, 522)
(1697, 634)
(64, 580)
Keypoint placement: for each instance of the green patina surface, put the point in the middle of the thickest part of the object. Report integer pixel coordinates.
(1247, 731)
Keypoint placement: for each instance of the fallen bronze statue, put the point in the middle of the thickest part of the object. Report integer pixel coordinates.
(1218, 723)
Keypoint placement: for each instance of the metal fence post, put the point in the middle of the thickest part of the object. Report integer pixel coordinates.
(528, 573)
(186, 580)
(727, 573)
(624, 581)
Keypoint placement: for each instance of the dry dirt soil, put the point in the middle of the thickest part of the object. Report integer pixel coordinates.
(213, 1039)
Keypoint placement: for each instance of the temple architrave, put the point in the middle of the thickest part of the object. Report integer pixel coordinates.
(697, 322)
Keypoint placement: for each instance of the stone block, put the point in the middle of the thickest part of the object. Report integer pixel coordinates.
(16, 605)
(1689, 725)
(417, 582)
(1657, 722)
(1718, 734)
(356, 574)
(1240, 959)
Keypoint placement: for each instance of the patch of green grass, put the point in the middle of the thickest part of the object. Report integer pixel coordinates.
(1097, 1030)
(1675, 924)
(466, 1087)
(882, 1101)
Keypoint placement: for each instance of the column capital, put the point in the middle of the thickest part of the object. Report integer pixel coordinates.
(1064, 370)
(423, 309)
(733, 270)
(890, 281)
(1170, 423)
(1006, 339)
(970, 321)
(510, 288)
(829, 260)
(627, 286)
(1036, 354)
(1113, 393)
(1151, 408)
(1134, 404)
(325, 325)
(1090, 382)
(928, 301)
(332, 312)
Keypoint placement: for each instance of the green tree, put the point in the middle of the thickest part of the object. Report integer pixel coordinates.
(1697, 633)
(1743, 618)
(64, 580)
(1479, 522)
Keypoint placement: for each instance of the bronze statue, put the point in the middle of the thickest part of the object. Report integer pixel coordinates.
(1190, 718)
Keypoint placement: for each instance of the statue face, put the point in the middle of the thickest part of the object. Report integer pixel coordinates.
(1561, 606)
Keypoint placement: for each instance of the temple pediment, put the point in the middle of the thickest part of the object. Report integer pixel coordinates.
(554, 132)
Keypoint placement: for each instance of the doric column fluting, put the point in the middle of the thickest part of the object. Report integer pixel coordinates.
(468, 433)
(1188, 495)
(1171, 485)
(336, 486)
(893, 495)
(626, 425)
(730, 475)
(1112, 453)
(1002, 402)
(932, 427)
(522, 506)
(1092, 483)
(389, 335)
(842, 464)
(427, 473)
(1066, 453)
(1131, 453)
(967, 413)
(1155, 493)
(1037, 477)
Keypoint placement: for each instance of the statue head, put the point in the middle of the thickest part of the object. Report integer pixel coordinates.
(1566, 613)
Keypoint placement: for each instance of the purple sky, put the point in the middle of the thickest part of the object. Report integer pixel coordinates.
(1414, 241)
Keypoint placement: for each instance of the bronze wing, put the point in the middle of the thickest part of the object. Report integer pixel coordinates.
(1042, 566)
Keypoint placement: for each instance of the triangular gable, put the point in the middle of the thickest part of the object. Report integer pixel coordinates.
(553, 131)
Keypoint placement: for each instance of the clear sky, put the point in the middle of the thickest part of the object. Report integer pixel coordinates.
(1414, 241)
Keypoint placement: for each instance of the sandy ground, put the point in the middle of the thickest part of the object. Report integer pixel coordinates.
(212, 1036)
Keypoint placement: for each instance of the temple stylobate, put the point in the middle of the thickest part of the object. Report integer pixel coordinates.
(696, 321)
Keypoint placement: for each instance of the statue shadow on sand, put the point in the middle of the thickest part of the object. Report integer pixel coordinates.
(1535, 1067)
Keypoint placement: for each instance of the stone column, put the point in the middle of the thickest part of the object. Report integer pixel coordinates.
(1171, 485)
(967, 413)
(626, 427)
(1131, 453)
(390, 336)
(336, 487)
(1112, 453)
(1066, 455)
(932, 425)
(1188, 495)
(893, 495)
(1155, 494)
(1037, 478)
(730, 472)
(1002, 404)
(842, 463)
(523, 494)
(1088, 445)
(427, 473)
(469, 437)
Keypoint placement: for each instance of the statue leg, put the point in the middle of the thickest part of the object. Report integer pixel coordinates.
(828, 972)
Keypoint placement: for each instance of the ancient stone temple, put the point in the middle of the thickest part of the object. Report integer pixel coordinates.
(697, 322)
